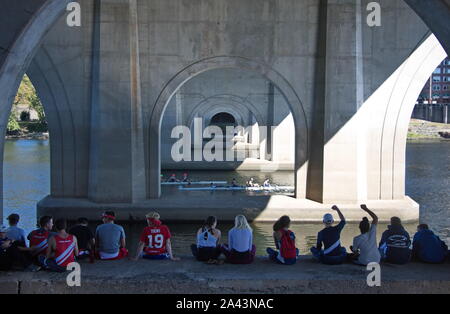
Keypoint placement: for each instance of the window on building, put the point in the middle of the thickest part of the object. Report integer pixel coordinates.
(445, 87)
(446, 78)
(437, 71)
(436, 87)
(436, 78)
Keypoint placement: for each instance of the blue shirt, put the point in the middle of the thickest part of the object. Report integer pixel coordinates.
(240, 240)
(329, 237)
(428, 247)
(109, 236)
(15, 233)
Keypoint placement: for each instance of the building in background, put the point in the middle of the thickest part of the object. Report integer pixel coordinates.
(434, 100)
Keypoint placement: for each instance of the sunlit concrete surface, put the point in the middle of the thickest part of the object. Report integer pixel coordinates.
(178, 208)
(189, 276)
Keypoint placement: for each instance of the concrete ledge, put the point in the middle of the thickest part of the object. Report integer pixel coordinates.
(188, 276)
(257, 208)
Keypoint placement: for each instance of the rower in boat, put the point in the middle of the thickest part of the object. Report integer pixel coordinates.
(267, 184)
(234, 183)
(186, 178)
(173, 178)
(252, 184)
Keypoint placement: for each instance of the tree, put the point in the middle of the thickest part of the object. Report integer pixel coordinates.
(13, 125)
(36, 104)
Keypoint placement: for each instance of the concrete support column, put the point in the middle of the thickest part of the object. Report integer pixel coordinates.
(270, 119)
(339, 94)
(263, 130)
(344, 145)
(446, 114)
(116, 158)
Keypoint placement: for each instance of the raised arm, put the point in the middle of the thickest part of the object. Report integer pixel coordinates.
(341, 216)
(371, 214)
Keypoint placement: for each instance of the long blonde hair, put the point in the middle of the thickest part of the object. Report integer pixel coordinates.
(240, 222)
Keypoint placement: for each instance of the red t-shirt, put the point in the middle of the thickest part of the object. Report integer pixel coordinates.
(155, 239)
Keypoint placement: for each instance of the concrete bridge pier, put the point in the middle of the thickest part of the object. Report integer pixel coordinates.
(350, 90)
(117, 172)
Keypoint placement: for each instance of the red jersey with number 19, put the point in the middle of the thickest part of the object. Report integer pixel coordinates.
(155, 239)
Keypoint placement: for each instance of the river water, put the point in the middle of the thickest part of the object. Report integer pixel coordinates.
(27, 180)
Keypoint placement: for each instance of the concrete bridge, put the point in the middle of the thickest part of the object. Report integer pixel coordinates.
(340, 90)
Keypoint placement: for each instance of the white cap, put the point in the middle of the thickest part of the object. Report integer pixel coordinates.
(3, 229)
(328, 219)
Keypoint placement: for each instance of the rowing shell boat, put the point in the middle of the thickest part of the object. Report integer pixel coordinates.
(194, 183)
(239, 188)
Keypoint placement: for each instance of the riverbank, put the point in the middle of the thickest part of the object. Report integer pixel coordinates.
(29, 136)
(421, 129)
(189, 276)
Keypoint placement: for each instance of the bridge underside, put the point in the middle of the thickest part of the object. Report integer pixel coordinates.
(338, 92)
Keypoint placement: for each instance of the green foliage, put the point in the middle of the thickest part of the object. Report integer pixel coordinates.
(34, 126)
(13, 125)
(36, 104)
(26, 95)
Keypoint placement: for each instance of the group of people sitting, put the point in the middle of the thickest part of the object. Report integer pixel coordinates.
(394, 247)
(54, 251)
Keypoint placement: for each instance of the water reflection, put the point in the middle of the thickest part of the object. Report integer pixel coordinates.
(184, 235)
(27, 180)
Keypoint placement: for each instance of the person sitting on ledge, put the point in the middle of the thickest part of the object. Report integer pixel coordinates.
(62, 249)
(207, 248)
(285, 243)
(39, 238)
(365, 248)
(240, 248)
(251, 183)
(427, 247)
(110, 239)
(85, 238)
(333, 253)
(15, 233)
(395, 243)
(155, 241)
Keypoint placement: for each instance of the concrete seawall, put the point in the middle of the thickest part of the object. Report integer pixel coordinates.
(174, 208)
(188, 276)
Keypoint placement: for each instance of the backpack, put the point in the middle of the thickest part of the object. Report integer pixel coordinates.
(288, 249)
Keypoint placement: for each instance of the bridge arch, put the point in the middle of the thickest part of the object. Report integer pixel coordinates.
(221, 62)
(18, 59)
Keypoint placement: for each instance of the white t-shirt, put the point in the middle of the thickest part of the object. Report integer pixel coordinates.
(367, 246)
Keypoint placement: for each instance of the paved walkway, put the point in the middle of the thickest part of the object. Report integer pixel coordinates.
(189, 276)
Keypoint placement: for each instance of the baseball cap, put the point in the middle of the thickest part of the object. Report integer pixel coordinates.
(328, 219)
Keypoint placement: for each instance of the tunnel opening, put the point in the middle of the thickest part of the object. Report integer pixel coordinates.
(240, 133)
